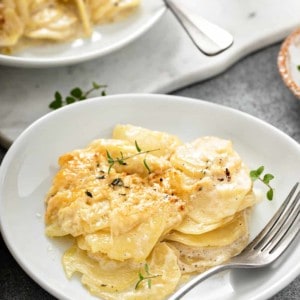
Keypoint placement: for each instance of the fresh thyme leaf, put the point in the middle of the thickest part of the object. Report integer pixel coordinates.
(137, 147)
(147, 268)
(121, 160)
(109, 158)
(70, 100)
(253, 175)
(270, 194)
(141, 278)
(96, 85)
(256, 175)
(148, 277)
(58, 96)
(110, 166)
(76, 94)
(147, 166)
(298, 67)
(57, 102)
(267, 178)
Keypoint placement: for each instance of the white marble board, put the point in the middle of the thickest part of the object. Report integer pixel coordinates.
(162, 60)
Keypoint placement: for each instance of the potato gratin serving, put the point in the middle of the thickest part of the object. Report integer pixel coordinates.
(146, 210)
(26, 21)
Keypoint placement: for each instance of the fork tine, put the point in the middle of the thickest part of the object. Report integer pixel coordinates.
(283, 225)
(265, 232)
(282, 246)
(287, 233)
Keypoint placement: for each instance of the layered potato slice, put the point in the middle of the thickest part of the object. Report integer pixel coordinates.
(189, 226)
(214, 180)
(117, 280)
(96, 273)
(222, 236)
(196, 253)
(135, 244)
(52, 20)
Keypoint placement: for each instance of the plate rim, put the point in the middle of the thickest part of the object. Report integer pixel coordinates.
(271, 291)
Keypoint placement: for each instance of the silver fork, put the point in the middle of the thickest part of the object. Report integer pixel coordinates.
(267, 247)
(208, 37)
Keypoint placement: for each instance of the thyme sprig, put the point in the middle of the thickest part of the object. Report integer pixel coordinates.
(121, 160)
(76, 94)
(148, 276)
(257, 175)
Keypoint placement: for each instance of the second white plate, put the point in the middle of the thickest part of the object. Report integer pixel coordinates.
(105, 39)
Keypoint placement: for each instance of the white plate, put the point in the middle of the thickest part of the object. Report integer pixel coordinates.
(31, 162)
(104, 40)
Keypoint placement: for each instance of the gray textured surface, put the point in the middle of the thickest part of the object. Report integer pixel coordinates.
(253, 86)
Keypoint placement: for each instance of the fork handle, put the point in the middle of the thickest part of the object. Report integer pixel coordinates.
(208, 37)
(196, 280)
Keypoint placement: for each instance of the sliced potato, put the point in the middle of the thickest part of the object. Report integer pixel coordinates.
(188, 226)
(11, 25)
(52, 20)
(148, 139)
(221, 236)
(213, 248)
(215, 179)
(97, 279)
(135, 244)
(162, 268)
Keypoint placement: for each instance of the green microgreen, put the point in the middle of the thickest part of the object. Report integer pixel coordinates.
(147, 166)
(147, 276)
(121, 160)
(76, 94)
(138, 149)
(266, 178)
